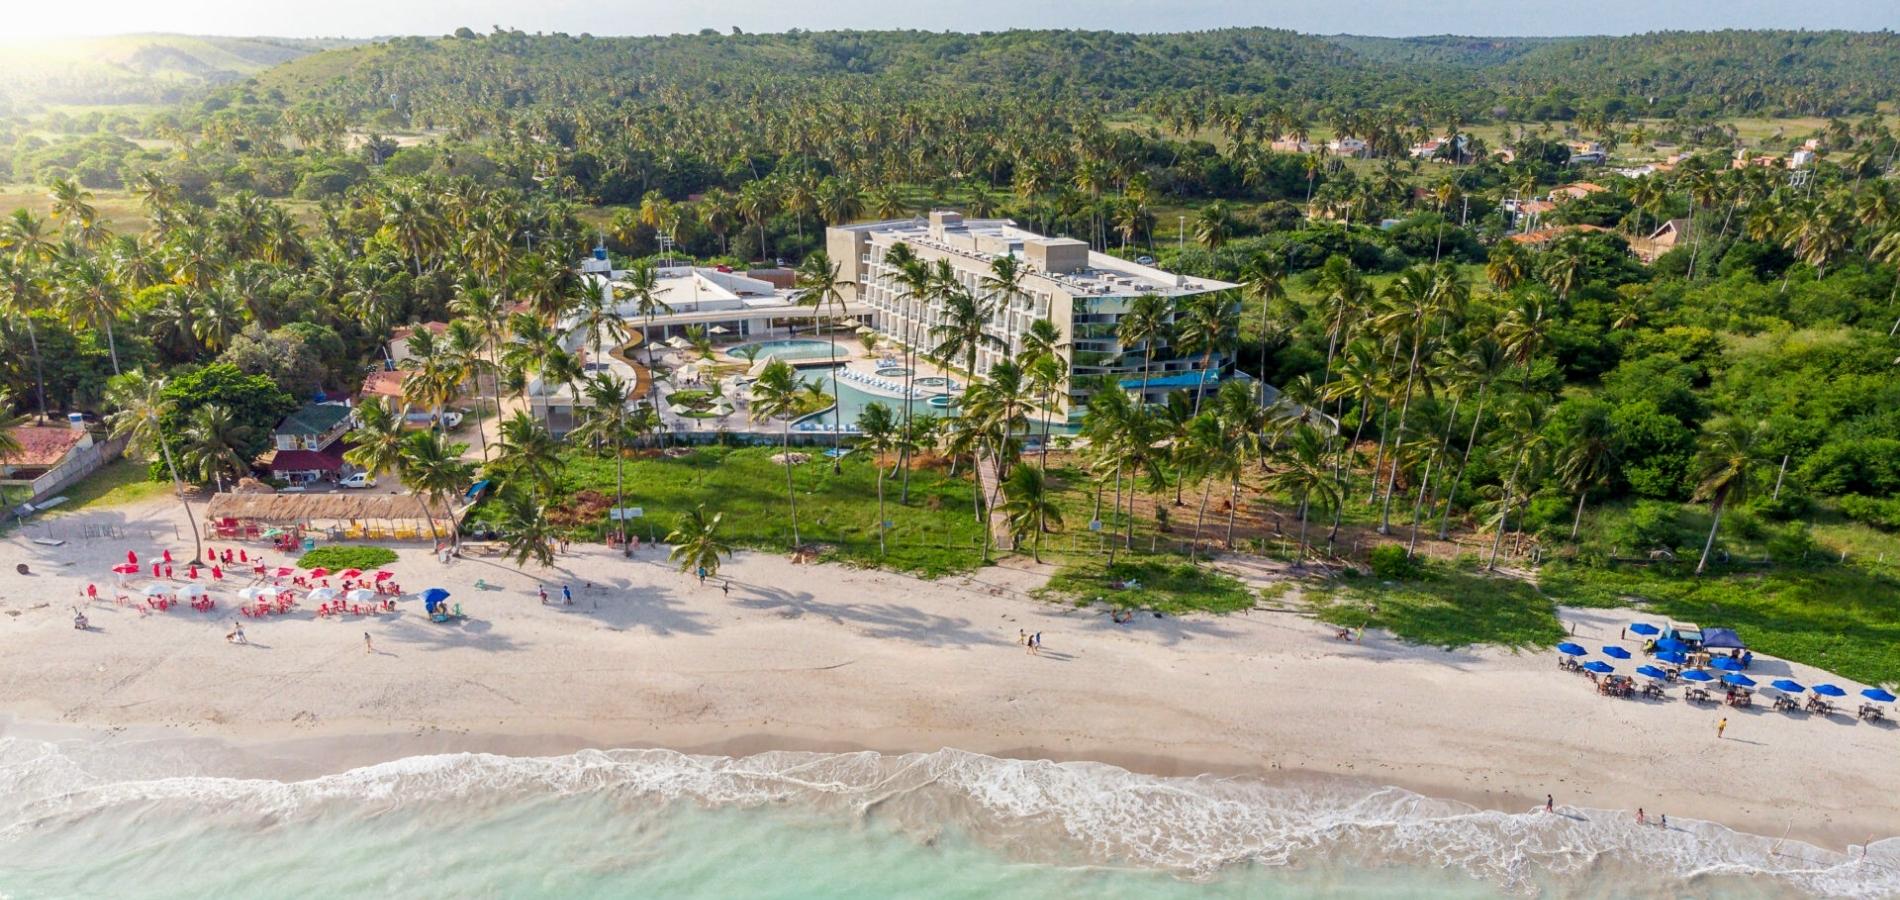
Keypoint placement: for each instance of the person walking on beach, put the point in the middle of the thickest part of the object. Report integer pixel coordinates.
(725, 587)
(1035, 643)
(1721, 727)
(367, 646)
(567, 596)
(236, 635)
(544, 595)
(1640, 818)
(1663, 820)
(1550, 803)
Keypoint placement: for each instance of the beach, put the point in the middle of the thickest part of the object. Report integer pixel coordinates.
(829, 659)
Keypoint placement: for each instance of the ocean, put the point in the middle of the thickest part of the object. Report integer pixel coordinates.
(149, 819)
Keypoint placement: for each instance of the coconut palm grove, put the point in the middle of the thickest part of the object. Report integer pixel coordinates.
(1450, 331)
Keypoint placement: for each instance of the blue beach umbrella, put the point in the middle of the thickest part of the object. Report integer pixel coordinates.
(1672, 645)
(1726, 664)
(1877, 695)
(1569, 649)
(1651, 672)
(435, 595)
(1789, 685)
(1738, 679)
(1828, 690)
(1697, 675)
(1644, 628)
(1616, 652)
(1600, 667)
(1674, 657)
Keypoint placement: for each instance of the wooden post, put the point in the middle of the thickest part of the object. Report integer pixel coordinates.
(1779, 475)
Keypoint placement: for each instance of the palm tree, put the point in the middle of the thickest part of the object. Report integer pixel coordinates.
(775, 395)
(1211, 327)
(1146, 323)
(213, 444)
(642, 286)
(525, 528)
(965, 317)
(881, 435)
(529, 454)
(433, 469)
(1304, 474)
(1214, 225)
(697, 546)
(143, 408)
(93, 295)
(1588, 452)
(19, 278)
(819, 288)
(1264, 282)
(608, 420)
(1031, 507)
(1726, 461)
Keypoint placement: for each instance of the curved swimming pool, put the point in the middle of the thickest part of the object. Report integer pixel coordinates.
(787, 349)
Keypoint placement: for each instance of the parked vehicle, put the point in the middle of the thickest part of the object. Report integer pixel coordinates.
(358, 480)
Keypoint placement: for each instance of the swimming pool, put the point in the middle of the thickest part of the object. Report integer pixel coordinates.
(788, 350)
(852, 400)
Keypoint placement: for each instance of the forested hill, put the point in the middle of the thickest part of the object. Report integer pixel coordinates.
(135, 68)
(1728, 72)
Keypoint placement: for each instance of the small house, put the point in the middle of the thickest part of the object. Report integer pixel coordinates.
(308, 445)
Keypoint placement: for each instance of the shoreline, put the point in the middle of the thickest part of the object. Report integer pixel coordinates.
(831, 659)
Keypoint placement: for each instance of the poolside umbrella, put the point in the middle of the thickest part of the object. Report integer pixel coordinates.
(1600, 667)
(360, 595)
(717, 329)
(158, 590)
(1616, 652)
(319, 572)
(192, 590)
(384, 575)
(1697, 675)
(1738, 679)
(1789, 685)
(1569, 649)
(1651, 672)
(865, 329)
(322, 595)
(1673, 657)
(1828, 690)
(1726, 664)
(1671, 644)
(1644, 628)
(1877, 695)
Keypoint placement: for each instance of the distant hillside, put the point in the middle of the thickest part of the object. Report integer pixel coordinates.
(1442, 49)
(138, 68)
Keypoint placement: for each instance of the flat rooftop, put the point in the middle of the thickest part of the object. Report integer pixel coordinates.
(983, 240)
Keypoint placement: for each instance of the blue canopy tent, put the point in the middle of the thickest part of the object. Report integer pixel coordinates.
(1721, 639)
(1673, 657)
(1789, 685)
(1697, 675)
(1569, 649)
(1877, 695)
(1599, 666)
(1615, 652)
(1738, 679)
(1671, 645)
(1651, 672)
(1726, 664)
(1828, 690)
(1644, 628)
(433, 598)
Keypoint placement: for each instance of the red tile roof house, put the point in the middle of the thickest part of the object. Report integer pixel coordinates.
(42, 449)
(308, 444)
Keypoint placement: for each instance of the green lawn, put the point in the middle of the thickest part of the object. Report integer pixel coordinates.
(117, 483)
(1163, 584)
(936, 534)
(1444, 607)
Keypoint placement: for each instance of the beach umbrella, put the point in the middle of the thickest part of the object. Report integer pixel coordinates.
(1616, 652)
(718, 329)
(1726, 664)
(322, 595)
(384, 575)
(1644, 628)
(1651, 672)
(1569, 649)
(1738, 679)
(1671, 644)
(360, 595)
(251, 594)
(126, 568)
(192, 590)
(1877, 695)
(1789, 685)
(158, 590)
(1598, 666)
(1697, 675)
(351, 573)
(1673, 657)
(283, 571)
(1828, 690)
(864, 329)
(435, 595)
(319, 572)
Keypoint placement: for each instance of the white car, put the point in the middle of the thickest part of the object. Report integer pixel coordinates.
(358, 480)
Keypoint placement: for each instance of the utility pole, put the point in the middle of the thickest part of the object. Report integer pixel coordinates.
(1180, 236)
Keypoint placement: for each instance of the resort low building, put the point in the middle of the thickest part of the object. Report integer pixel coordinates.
(1083, 292)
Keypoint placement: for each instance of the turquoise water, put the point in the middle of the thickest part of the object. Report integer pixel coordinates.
(789, 349)
(852, 400)
(148, 820)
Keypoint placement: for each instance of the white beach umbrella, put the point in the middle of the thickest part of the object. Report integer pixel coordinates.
(253, 594)
(360, 595)
(192, 590)
(322, 595)
(864, 329)
(718, 329)
(158, 590)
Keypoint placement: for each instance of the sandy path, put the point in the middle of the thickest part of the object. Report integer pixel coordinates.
(825, 657)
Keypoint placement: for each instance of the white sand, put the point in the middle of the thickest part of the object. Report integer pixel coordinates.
(825, 657)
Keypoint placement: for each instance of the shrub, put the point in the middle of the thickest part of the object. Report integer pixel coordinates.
(341, 557)
(1390, 562)
(1650, 525)
(1880, 512)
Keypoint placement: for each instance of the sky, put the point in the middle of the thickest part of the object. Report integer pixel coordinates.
(373, 18)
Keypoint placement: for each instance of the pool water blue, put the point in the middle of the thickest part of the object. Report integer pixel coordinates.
(852, 400)
(893, 372)
(788, 350)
